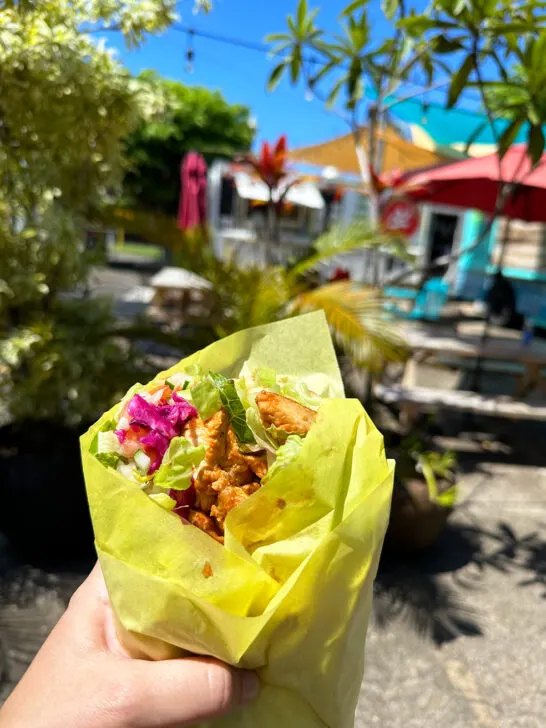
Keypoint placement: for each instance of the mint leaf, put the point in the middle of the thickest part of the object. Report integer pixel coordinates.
(234, 407)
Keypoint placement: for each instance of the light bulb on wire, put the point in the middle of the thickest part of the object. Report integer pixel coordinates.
(190, 53)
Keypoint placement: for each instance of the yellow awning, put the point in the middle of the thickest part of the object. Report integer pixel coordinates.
(340, 153)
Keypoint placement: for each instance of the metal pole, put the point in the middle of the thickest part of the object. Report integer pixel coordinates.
(477, 374)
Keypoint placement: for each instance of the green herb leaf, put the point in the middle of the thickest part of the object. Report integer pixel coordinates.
(234, 407)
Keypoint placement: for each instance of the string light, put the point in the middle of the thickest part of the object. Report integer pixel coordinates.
(190, 52)
(266, 50)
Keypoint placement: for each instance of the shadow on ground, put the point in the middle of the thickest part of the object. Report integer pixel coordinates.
(415, 590)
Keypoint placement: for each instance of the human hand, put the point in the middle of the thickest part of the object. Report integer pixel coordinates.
(83, 678)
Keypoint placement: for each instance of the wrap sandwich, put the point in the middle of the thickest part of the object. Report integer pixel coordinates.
(239, 504)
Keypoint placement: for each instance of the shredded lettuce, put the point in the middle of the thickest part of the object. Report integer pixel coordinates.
(298, 390)
(107, 442)
(261, 435)
(206, 398)
(265, 377)
(128, 471)
(286, 455)
(234, 407)
(278, 436)
(177, 467)
(163, 500)
(194, 370)
(109, 459)
(108, 426)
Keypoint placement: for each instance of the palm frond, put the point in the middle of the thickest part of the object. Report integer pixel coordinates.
(270, 296)
(358, 322)
(348, 238)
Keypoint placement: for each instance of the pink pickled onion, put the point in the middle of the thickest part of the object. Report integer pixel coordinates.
(178, 413)
(147, 414)
(185, 499)
(161, 422)
(160, 444)
(121, 435)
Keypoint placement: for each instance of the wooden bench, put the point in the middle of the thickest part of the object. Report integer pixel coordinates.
(412, 400)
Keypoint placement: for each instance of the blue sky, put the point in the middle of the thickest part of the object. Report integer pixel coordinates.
(241, 74)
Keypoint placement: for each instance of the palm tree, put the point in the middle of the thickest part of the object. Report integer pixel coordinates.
(250, 296)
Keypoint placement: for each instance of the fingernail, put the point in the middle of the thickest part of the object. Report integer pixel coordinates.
(251, 686)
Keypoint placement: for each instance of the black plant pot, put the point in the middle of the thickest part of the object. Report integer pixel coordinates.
(43, 506)
(416, 523)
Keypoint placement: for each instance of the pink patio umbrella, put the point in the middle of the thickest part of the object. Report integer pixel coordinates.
(192, 209)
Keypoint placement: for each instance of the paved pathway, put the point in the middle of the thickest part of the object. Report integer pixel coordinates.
(467, 647)
(458, 640)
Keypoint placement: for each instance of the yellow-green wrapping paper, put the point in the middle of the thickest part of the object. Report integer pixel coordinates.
(291, 590)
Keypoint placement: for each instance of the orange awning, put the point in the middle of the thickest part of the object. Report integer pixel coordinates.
(340, 153)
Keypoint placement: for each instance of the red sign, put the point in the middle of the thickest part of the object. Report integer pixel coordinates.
(400, 216)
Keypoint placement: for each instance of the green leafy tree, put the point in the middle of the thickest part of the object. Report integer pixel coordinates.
(494, 46)
(340, 68)
(65, 107)
(185, 119)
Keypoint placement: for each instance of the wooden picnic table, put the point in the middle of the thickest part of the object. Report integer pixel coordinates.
(504, 345)
(415, 393)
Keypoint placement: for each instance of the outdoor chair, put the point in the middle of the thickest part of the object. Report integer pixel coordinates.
(429, 302)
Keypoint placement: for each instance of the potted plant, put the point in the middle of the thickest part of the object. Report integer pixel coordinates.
(425, 493)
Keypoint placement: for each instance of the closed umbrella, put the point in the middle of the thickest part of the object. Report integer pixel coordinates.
(192, 209)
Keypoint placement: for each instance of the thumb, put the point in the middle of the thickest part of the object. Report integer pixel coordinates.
(186, 691)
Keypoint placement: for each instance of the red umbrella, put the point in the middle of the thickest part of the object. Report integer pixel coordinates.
(474, 184)
(192, 209)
